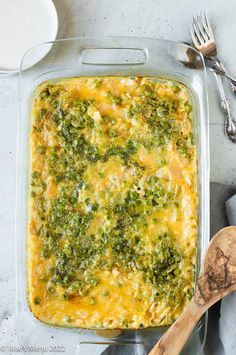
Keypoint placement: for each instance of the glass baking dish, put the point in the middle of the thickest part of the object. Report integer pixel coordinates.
(104, 56)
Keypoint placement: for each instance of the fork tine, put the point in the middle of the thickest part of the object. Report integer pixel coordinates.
(207, 26)
(193, 35)
(197, 31)
(201, 28)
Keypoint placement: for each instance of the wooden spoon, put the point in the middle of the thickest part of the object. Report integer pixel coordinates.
(217, 279)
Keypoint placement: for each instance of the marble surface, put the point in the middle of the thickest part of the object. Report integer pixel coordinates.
(152, 18)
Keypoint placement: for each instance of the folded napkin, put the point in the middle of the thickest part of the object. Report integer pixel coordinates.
(222, 212)
(227, 323)
(221, 332)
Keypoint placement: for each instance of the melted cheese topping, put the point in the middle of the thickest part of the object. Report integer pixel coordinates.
(113, 221)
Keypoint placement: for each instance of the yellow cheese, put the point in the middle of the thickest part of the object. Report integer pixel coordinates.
(113, 209)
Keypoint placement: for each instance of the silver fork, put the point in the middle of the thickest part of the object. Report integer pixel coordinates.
(208, 46)
(203, 39)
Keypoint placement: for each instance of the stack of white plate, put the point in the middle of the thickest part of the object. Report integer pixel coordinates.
(23, 24)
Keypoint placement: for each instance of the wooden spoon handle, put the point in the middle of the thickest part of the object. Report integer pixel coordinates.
(176, 336)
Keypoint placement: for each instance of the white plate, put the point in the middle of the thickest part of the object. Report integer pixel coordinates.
(23, 24)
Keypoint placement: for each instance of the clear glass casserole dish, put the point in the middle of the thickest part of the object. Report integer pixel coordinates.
(103, 57)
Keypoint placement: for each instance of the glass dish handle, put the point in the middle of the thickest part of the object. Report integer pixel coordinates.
(113, 56)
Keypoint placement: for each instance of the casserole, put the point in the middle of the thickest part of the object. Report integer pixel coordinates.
(112, 232)
(145, 57)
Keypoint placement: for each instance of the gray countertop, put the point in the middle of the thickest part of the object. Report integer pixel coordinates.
(151, 18)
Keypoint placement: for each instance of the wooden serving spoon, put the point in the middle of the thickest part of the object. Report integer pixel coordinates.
(217, 279)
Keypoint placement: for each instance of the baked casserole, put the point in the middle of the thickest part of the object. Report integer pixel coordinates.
(113, 208)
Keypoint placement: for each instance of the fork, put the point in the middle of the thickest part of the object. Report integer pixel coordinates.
(203, 39)
(209, 49)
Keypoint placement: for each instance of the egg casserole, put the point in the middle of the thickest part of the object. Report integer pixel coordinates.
(113, 209)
